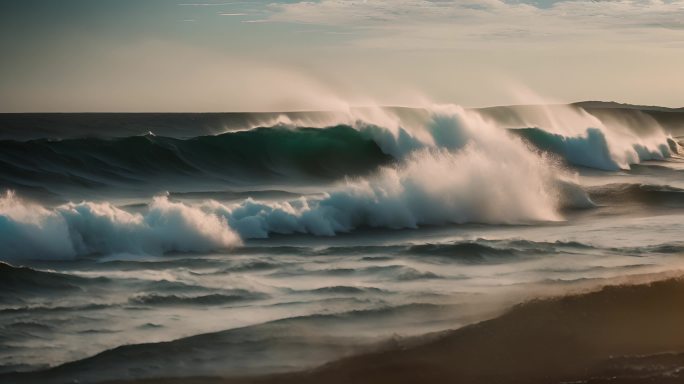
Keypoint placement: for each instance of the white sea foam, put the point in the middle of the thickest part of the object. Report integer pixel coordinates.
(69, 230)
(455, 167)
(604, 142)
(431, 188)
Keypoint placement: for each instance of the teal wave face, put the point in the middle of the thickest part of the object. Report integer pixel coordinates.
(591, 150)
(264, 154)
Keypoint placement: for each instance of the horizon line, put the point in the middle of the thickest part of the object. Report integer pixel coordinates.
(617, 105)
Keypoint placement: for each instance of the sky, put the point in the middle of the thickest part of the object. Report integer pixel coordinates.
(207, 55)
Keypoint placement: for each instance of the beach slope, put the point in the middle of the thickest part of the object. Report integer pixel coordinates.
(619, 334)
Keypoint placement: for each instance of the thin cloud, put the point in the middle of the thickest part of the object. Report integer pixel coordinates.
(206, 4)
(447, 23)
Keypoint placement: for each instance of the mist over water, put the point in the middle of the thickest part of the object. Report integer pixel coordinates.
(584, 139)
(340, 230)
(499, 180)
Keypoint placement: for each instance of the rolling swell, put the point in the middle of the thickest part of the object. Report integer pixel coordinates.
(641, 194)
(489, 251)
(276, 153)
(24, 280)
(280, 345)
(210, 299)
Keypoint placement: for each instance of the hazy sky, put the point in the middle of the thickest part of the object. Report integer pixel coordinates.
(206, 55)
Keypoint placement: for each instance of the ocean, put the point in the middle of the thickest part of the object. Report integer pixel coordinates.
(228, 244)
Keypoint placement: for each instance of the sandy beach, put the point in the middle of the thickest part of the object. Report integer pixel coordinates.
(619, 334)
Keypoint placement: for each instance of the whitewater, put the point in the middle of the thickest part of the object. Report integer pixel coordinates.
(340, 230)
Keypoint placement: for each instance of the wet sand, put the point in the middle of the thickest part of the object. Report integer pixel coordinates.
(619, 334)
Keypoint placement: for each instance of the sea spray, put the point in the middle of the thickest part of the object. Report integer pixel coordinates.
(454, 168)
(433, 187)
(588, 140)
(301, 151)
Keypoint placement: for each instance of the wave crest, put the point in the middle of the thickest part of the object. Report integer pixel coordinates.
(593, 149)
(457, 168)
(73, 229)
(434, 187)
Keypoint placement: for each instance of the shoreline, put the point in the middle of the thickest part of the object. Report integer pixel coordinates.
(627, 333)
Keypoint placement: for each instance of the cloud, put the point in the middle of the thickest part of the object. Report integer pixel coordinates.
(207, 4)
(286, 55)
(447, 23)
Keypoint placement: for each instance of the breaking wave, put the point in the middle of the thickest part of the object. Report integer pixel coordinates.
(457, 169)
(584, 139)
(69, 230)
(449, 166)
(593, 150)
(279, 153)
(303, 150)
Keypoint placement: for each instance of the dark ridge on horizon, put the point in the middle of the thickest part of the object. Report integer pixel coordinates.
(597, 104)
(593, 104)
